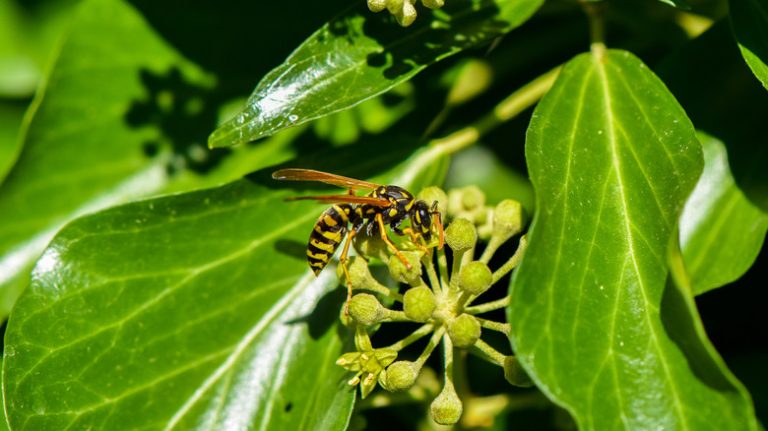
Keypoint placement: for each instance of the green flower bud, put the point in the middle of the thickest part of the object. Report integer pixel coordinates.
(515, 374)
(401, 375)
(372, 246)
(399, 272)
(508, 219)
(433, 4)
(475, 278)
(419, 303)
(454, 203)
(377, 5)
(359, 275)
(367, 385)
(350, 361)
(394, 6)
(464, 330)
(366, 309)
(345, 318)
(403, 11)
(432, 194)
(446, 409)
(461, 235)
(472, 198)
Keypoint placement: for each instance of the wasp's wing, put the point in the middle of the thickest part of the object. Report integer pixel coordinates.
(351, 199)
(323, 177)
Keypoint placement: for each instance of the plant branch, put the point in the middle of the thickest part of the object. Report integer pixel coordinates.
(517, 102)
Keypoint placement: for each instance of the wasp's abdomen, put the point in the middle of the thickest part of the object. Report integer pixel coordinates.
(326, 236)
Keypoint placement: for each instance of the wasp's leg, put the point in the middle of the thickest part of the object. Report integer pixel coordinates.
(417, 239)
(343, 263)
(385, 238)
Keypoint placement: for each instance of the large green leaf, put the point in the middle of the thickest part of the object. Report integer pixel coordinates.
(123, 115)
(749, 19)
(179, 313)
(359, 55)
(721, 232)
(594, 319)
(195, 311)
(80, 152)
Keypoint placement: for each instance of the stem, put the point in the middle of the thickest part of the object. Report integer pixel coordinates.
(488, 306)
(415, 335)
(448, 349)
(596, 27)
(517, 102)
(490, 353)
(396, 316)
(380, 288)
(433, 342)
(442, 263)
(504, 328)
(362, 340)
(432, 274)
(512, 262)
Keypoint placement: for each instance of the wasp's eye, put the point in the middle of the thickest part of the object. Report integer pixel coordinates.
(423, 217)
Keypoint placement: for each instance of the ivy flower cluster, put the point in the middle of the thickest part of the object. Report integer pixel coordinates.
(404, 11)
(443, 300)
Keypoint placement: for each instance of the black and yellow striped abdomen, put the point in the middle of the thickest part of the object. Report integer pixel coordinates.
(326, 236)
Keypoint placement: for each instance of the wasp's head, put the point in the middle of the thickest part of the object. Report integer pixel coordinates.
(422, 219)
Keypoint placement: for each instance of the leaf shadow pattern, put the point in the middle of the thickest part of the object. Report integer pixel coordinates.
(679, 323)
(292, 248)
(458, 25)
(325, 313)
(184, 113)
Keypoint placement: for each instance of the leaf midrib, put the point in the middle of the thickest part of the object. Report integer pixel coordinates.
(600, 64)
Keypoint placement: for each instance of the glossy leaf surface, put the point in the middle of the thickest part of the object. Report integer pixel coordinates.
(69, 167)
(749, 20)
(721, 231)
(594, 317)
(195, 311)
(359, 55)
(125, 113)
(187, 312)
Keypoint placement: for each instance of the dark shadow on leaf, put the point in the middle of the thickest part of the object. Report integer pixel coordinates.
(433, 35)
(324, 315)
(678, 321)
(184, 113)
(292, 248)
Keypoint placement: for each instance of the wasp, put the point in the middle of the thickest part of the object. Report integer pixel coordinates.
(349, 214)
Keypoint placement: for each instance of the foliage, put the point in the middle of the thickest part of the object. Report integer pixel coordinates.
(152, 276)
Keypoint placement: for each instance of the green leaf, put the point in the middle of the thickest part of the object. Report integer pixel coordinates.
(124, 115)
(80, 153)
(721, 232)
(594, 319)
(749, 20)
(28, 34)
(359, 55)
(731, 111)
(11, 115)
(192, 311)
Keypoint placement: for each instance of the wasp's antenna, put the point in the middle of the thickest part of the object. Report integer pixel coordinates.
(439, 223)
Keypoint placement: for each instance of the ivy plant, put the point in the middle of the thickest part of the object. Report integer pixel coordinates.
(595, 173)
